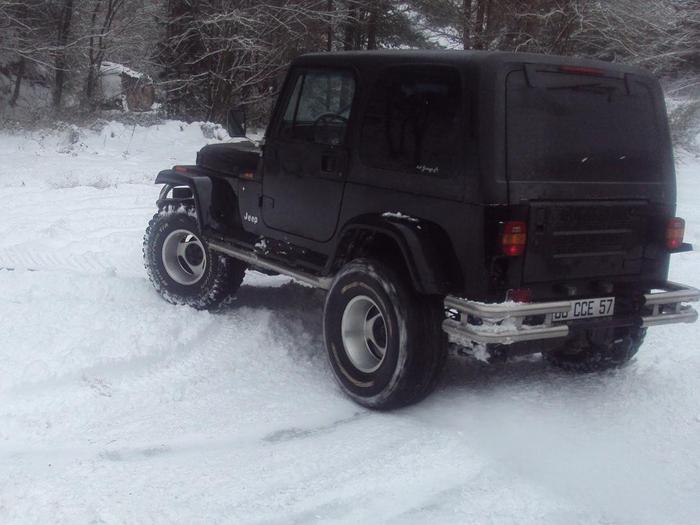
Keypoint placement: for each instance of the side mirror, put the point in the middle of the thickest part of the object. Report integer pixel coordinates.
(236, 122)
(329, 129)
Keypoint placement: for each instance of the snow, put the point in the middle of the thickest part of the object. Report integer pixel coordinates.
(107, 155)
(112, 68)
(398, 215)
(118, 407)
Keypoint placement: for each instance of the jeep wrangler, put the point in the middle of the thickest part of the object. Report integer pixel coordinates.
(506, 203)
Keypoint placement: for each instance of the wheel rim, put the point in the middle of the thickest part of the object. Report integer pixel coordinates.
(364, 333)
(184, 257)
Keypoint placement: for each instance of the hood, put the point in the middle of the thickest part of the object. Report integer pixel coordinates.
(229, 159)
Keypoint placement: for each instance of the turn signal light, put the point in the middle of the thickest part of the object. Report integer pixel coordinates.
(675, 231)
(514, 238)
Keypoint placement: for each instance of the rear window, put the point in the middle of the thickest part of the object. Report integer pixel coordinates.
(573, 127)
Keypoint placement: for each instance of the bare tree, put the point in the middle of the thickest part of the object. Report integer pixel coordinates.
(217, 55)
(23, 45)
(212, 54)
(101, 20)
(63, 30)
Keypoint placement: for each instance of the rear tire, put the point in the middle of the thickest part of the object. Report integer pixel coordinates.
(385, 343)
(182, 267)
(586, 353)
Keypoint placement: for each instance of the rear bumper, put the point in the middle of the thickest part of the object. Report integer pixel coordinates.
(504, 323)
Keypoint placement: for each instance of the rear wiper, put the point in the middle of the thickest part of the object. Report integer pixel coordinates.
(595, 87)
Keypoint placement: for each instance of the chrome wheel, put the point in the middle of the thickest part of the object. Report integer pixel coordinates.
(184, 257)
(364, 334)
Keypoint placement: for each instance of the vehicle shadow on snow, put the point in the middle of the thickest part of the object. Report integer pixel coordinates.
(297, 314)
(287, 297)
(292, 303)
(461, 371)
(531, 375)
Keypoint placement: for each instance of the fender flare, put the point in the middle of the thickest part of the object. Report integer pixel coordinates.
(201, 186)
(424, 246)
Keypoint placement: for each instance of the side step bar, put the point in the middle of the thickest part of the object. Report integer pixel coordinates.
(254, 259)
(503, 323)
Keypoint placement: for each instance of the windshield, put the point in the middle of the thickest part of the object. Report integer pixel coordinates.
(574, 127)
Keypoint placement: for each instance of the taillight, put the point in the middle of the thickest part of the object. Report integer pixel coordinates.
(519, 295)
(514, 238)
(675, 230)
(577, 70)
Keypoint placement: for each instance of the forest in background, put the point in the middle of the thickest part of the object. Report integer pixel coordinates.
(205, 56)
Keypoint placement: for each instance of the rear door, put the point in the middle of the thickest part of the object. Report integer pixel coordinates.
(588, 152)
(306, 157)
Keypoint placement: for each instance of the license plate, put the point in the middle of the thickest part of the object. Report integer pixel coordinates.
(587, 308)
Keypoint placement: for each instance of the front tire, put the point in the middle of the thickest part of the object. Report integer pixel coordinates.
(385, 343)
(182, 267)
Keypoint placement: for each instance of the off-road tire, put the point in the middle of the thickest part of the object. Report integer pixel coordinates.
(415, 344)
(222, 275)
(583, 355)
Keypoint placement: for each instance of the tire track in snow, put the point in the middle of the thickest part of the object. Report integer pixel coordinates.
(27, 260)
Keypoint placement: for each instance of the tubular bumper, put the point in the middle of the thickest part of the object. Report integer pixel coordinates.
(503, 323)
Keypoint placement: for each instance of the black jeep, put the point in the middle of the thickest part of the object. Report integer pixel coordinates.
(509, 203)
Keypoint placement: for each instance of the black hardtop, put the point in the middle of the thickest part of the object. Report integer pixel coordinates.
(484, 60)
(485, 75)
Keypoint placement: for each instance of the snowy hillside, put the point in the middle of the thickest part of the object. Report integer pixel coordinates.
(116, 407)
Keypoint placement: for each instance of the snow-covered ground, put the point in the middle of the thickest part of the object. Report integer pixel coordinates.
(116, 407)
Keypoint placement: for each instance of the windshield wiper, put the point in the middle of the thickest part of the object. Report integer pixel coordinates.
(596, 87)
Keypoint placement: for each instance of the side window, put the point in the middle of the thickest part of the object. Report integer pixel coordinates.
(319, 107)
(411, 123)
